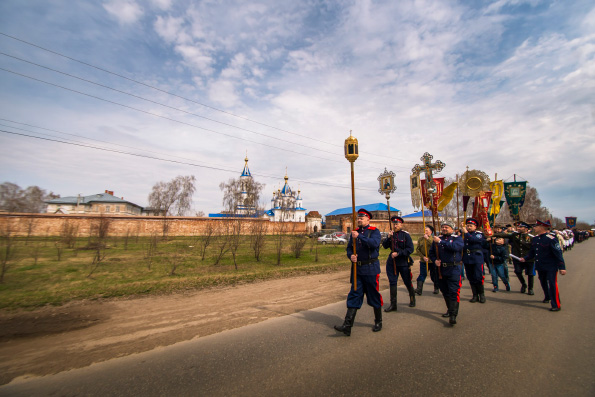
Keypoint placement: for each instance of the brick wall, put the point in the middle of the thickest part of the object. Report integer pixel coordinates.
(52, 224)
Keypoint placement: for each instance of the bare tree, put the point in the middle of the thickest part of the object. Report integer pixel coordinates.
(241, 196)
(173, 197)
(298, 241)
(100, 231)
(7, 250)
(206, 240)
(280, 230)
(222, 242)
(69, 233)
(235, 239)
(258, 238)
(150, 249)
(31, 199)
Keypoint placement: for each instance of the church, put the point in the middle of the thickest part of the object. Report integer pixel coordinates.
(286, 205)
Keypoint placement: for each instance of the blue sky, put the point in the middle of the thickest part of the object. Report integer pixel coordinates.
(506, 87)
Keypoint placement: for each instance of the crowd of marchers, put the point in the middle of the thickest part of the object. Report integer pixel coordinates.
(451, 255)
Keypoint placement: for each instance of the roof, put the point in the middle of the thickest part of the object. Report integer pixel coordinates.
(417, 214)
(369, 207)
(100, 197)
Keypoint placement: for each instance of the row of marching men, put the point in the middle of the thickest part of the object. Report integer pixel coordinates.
(445, 255)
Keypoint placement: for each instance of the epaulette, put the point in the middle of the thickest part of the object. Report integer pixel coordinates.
(405, 231)
(550, 236)
(372, 227)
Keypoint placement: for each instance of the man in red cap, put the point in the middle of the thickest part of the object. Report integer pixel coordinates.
(547, 253)
(367, 239)
(401, 247)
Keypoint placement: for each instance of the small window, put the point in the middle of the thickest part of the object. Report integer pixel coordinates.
(117, 208)
(107, 208)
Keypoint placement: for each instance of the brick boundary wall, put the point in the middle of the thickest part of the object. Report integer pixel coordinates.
(120, 225)
(383, 226)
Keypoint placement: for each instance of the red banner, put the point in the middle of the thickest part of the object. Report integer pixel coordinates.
(426, 196)
(480, 211)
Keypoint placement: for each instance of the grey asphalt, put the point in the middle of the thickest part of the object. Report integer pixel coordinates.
(512, 345)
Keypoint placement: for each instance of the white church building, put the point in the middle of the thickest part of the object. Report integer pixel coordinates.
(286, 205)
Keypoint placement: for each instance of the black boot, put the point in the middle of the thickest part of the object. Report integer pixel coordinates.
(474, 291)
(523, 284)
(420, 287)
(447, 314)
(411, 297)
(531, 281)
(481, 293)
(393, 299)
(436, 289)
(452, 318)
(377, 319)
(454, 312)
(348, 323)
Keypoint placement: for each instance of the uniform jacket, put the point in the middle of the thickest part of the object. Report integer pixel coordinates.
(520, 244)
(367, 247)
(473, 248)
(422, 244)
(449, 249)
(546, 252)
(500, 254)
(401, 244)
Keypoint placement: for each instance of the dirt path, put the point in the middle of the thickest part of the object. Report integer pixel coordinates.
(55, 339)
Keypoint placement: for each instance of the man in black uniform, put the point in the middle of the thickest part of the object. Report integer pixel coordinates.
(520, 244)
(447, 260)
(367, 239)
(473, 241)
(401, 247)
(549, 260)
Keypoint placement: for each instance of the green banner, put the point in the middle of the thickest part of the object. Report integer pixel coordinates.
(515, 197)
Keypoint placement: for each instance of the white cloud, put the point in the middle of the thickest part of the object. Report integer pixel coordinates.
(125, 11)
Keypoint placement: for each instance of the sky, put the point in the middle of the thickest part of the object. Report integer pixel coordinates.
(121, 94)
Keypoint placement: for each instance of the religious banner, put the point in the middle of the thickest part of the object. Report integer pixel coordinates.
(439, 182)
(415, 191)
(480, 211)
(515, 197)
(497, 188)
(570, 222)
(447, 195)
(492, 217)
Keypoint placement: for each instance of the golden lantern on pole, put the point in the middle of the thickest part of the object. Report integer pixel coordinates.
(351, 154)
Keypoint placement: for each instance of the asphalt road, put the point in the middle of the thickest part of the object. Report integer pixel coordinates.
(512, 345)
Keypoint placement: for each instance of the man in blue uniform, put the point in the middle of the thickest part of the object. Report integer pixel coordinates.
(447, 260)
(546, 252)
(520, 244)
(401, 247)
(367, 239)
(473, 259)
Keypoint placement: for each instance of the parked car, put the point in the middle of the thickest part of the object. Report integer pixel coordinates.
(330, 239)
(339, 234)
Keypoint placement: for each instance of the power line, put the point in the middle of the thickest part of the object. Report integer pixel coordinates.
(178, 162)
(178, 96)
(168, 118)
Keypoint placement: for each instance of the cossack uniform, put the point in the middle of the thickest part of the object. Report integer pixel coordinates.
(520, 244)
(401, 243)
(449, 280)
(546, 252)
(473, 261)
(368, 275)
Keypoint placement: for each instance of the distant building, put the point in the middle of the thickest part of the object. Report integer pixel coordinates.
(417, 216)
(343, 216)
(286, 205)
(101, 203)
(313, 222)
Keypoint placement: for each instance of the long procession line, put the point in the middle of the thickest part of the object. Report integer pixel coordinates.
(176, 95)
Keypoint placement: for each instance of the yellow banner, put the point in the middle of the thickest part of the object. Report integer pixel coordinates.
(497, 188)
(447, 195)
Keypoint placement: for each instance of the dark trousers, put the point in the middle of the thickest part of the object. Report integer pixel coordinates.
(475, 273)
(366, 285)
(549, 284)
(404, 271)
(423, 274)
(450, 286)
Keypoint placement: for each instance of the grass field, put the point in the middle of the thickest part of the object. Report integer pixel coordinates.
(42, 271)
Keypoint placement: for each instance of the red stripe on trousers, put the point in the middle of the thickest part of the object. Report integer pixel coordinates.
(557, 297)
(378, 289)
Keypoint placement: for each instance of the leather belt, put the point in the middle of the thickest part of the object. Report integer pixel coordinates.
(447, 264)
(470, 251)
